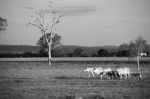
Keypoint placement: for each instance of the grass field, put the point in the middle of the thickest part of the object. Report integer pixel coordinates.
(79, 59)
(66, 80)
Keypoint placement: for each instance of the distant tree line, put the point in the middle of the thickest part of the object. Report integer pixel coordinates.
(123, 51)
(131, 49)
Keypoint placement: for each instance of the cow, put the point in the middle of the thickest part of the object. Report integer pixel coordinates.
(89, 71)
(107, 70)
(136, 74)
(113, 74)
(124, 72)
(98, 71)
(101, 72)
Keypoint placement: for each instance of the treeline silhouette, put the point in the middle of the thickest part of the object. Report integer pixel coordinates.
(78, 52)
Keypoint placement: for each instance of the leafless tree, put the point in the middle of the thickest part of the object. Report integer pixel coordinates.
(137, 47)
(3, 24)
(141, 44)
(47, 28)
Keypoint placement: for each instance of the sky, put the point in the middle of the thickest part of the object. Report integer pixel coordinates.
(85, 22)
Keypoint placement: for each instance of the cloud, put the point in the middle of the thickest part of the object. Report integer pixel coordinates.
(77, 10)
(126, 21)
(72, 10)
(109, 27)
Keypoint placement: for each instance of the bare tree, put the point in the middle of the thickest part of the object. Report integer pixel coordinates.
(44, 45)
(141, 44)
(47, 28)
(3, 24)
(137, 47)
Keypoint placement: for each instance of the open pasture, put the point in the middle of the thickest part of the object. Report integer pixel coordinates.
(66, 80)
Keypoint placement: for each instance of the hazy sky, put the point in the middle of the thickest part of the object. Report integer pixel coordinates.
(86, 22)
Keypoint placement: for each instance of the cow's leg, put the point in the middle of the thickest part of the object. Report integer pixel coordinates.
(92, 74)
(129, 75)
(121, 76)
(101, 77)
(125, 76)
(89, 75)
(140, 76)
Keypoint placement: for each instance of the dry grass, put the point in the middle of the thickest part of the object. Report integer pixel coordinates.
(66, 80)
(79, 59)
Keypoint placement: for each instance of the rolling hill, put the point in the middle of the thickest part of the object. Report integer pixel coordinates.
(90, 50)
(64, 48)
(18, 48)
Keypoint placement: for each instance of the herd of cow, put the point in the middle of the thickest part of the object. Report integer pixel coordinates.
(119, 73)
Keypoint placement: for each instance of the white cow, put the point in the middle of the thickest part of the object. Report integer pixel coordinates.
(124, 72)
(100, 71)
(90, 71)
(107, 70)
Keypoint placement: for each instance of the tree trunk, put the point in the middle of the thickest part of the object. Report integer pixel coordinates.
(49, 54)
(138, 63)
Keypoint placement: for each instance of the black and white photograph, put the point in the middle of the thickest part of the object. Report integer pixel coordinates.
(74, 49)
